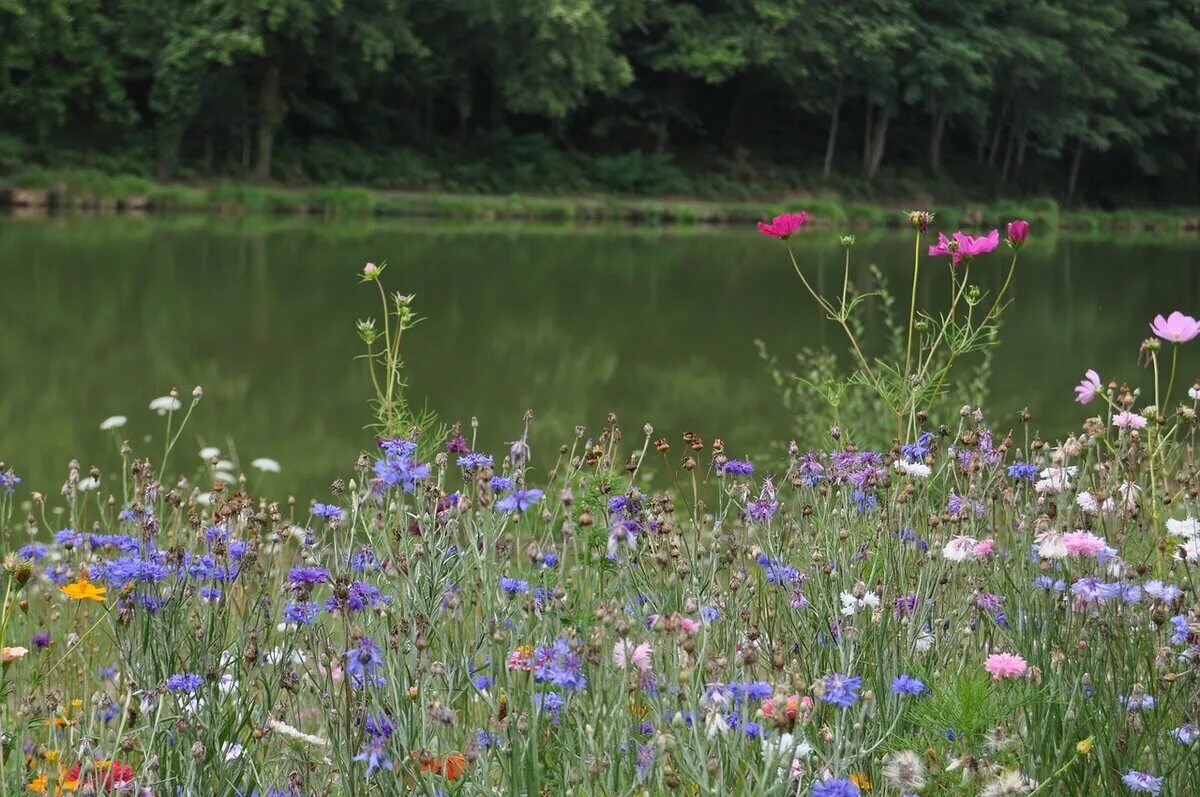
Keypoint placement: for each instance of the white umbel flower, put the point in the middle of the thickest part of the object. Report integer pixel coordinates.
(113, 422)
(164, 404)
(266, 465)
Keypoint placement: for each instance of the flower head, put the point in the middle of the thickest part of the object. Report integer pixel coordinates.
(82, 589)
(1142, 782)
(1175, 328)
(961, 246)
(1018, 231)
(835, 787)
(1005, 665)
(1129, 420)
(784, 225)
(1088, 388)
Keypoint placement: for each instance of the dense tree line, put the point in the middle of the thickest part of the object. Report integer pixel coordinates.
(1091, 98)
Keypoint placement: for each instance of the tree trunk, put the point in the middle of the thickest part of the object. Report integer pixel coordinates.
(835, 114)
(879, 142)
(1000, 120)
(935, 139)
(868, 135)
(1073, 180)
(170, 136)
(270, 114)
(1022, 142)
(1008, 154)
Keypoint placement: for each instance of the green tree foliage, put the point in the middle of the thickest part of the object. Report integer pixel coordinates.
(1090, 100)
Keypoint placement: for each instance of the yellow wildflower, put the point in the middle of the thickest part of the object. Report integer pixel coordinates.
(861, 781)
(83, 589)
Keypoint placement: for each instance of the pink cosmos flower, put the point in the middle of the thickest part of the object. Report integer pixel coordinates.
(1083, 543)
(961, 246)
(984, 549)
(783, 225)
(1089, 388)
(1018, 231)
(1175, 328)
(1129, 420)
(1005, 665)
(625, 654)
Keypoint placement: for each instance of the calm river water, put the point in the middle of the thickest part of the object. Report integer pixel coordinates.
(101, 315)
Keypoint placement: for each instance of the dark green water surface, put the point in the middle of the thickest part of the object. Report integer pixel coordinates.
(101, 315)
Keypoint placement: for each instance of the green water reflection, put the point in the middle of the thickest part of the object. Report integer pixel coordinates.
(102, 315)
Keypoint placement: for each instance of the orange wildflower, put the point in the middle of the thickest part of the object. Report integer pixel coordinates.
(83, 589)
(861, 781)
(38, 784)
(452, 765)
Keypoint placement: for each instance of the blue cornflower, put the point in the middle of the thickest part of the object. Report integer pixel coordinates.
(9, 480)
(777, 572)
(184, 682)
(374, 753)
(1134, 703)
(363, 560)
(835, 787)
(483, 683)
(549, 560)
(644, 763)
(501, 483)
(135, 568)
(513, 586)
(68, 537)
(753, 730)
(916, 451)
(307, 575)
(359, 596)
(1180, 633)
(1022, 470)
(709, 613)
(1162, 592)
(1142, 782)
(904, 684)
(473, 461)
(398, 467)
(301, 613)
(327, 511)
(559, 665)
(34, 550)
(364, 661)
(549, 702)
(210, 594)
(379, 725)
(519, 500)
(122, 542)
(737, 467)
(485, 740)
(841, 690)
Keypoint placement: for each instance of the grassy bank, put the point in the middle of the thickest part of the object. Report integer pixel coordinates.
(95, 191)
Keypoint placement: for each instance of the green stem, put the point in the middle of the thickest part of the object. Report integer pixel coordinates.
(1171, 382)
(912, 305)
(834, 317)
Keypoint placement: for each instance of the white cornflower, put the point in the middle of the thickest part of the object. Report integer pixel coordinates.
(113, 422)
(917, 470)
(1188, 528)
(164, 404)
(266, 465)
(209, 453)
(852, 603)
(960, 549)
(1051, 545)
(88, 483)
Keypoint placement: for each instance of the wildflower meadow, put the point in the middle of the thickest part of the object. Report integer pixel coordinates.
(935, 602)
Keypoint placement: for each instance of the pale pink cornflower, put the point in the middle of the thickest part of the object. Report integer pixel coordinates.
(1129, 420)
(961, 246)
(689, 625)
(624, 655)
(960, 549)
(1005, 665)
(784, 225)
(1089, 387)
(1175, 328)
(1083, 543)
(1051, 545)
(984, 549)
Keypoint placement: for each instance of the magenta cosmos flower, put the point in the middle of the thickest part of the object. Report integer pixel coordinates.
(1018, 231)
(1089, 388)
(961, 246)
(1005, 665)
(783, 225)
(1175, 328)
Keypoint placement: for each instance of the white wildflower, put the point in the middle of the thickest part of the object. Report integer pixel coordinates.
(852, 603)
(283, 729)
(113, 422)
(960, 549)
(1188, 528)
(209, 453)
(917, 470)
(164, 404)
(266, 465)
